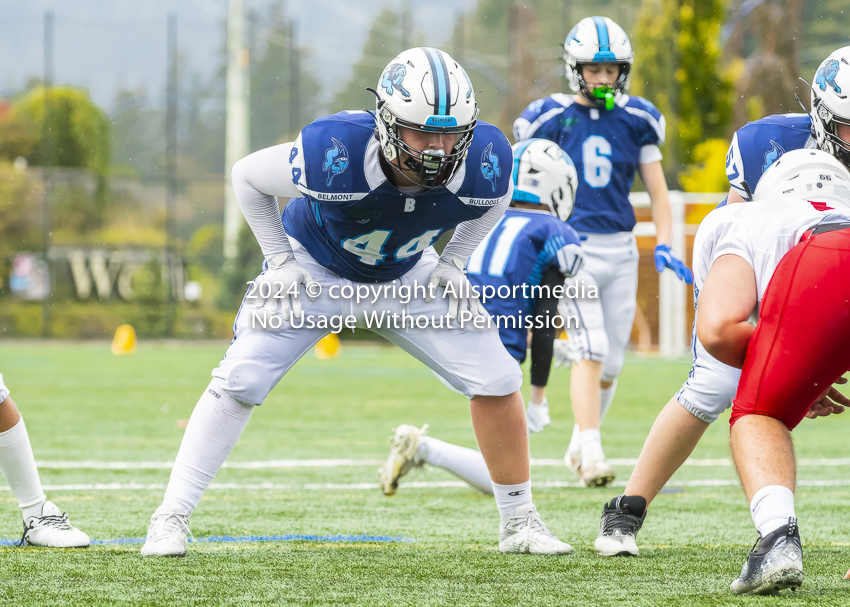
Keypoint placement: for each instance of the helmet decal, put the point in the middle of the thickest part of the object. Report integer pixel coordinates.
(442, 87)
(770, 157)
(393, 78)
(490, 165)
(336, 159)
(604, 53)
(826, 75)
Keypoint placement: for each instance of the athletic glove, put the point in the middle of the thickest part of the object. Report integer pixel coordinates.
(664, 258)
(280, 282)
(449, 274)
(561, 353)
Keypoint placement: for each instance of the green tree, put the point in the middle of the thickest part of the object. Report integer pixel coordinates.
(385, 41)
(680, 38)
(77, 133)
(276, 114)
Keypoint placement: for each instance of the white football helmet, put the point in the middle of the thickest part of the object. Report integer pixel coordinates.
(543, 174)
(597, 40)
(424, 89)
(831, 104)
(806, 175)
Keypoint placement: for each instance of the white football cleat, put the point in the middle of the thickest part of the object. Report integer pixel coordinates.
(537, 416)
(403, 456)
(596, 474)
(52, 530)
(523, 532)
(168, 534)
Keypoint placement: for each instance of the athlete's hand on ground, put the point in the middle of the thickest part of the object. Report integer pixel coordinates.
(561, 353)
(664, 258)
(450, 275)
(831, 402)
(280, 282)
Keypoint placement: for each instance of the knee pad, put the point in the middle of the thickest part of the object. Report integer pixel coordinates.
(612, 366)
(588, 343)
(245, 383)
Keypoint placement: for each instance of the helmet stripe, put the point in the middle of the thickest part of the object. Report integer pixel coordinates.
(438, 72)
(518, 156)
(602, 33)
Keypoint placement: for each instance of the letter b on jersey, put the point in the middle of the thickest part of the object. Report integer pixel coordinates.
(409, 205)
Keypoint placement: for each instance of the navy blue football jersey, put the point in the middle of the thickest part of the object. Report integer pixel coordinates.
(757, 145)
(518, 250)
(606, 147)
(356, 223)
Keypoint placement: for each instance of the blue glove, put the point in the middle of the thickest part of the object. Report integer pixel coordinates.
(664, 258)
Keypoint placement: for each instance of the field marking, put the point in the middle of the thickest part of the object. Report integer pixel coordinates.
(287, 537)
(343, 463)
(410, 485)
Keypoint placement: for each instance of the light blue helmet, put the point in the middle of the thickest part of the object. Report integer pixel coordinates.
(543, 174)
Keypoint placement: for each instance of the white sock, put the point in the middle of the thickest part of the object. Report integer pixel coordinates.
(542, 403)
(466, 464)
(575, 445)
(606, 397)
(17, 464)
(590, 442)
(771, 508)
(508, 497)
(214, 427)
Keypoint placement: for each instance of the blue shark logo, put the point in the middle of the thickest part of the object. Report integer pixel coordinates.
(826, 75)
(775, 152)
(336, 160)
(393, 78)
(490, 165)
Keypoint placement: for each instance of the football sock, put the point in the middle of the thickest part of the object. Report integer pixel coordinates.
(17, 464)
(590, 442)
(466, 464)
(606, 397)
(214, 427)
(635, 504)
(508, 497)
(771, 508)
(575, 446)
(542, 403)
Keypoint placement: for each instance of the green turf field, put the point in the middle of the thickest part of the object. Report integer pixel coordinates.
(82, 404)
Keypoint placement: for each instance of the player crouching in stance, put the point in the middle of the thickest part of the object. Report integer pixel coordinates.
(44, 523)
(792, 259)
(371, 193)
(533, 246)
(609, 135)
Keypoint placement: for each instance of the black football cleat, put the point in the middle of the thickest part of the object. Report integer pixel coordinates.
(619, 526)
(774, 564)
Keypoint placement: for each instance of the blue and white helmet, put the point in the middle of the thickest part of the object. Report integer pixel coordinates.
(597, 40)
(831, 104)
(543, 174)
(425, 90)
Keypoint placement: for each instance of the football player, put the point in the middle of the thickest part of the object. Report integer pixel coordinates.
(532, 246)
(786, 255)
(370, 193)
(610, 136)
(710, 386)
(44, 523)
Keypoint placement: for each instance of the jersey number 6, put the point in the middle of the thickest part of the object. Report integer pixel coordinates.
(594, 156)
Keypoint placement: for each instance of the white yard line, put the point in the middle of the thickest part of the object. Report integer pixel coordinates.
(342, 463)
(374, 486)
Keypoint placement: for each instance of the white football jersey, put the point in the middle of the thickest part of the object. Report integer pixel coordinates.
(760, 232)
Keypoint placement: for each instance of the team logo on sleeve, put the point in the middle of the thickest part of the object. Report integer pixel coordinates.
(490, 165)
(336, 160)
(393, 78)
(826, 75)
(775, 152)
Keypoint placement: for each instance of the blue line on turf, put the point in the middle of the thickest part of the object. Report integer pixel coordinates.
(255, 538)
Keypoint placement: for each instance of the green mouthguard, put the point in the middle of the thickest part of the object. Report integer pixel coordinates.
(606, 93)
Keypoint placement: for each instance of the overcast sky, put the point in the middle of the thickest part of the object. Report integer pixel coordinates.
(105, 45)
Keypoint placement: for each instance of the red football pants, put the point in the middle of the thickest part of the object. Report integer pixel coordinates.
(801, 344)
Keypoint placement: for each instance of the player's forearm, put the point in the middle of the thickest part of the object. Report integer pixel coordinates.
(257, 179)
(469, 234)
(659, 196)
